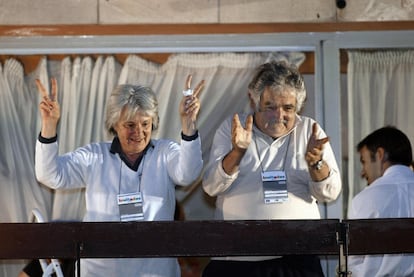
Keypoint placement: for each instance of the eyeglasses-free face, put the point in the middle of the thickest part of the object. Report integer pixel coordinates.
(277, 113)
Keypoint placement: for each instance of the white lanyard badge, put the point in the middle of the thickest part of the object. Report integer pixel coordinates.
(274, 186)
(130, 206)
(274, 181)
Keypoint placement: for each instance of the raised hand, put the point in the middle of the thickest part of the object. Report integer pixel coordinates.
(190, 106)
(240, 136)
(49, 108)
(315, 146)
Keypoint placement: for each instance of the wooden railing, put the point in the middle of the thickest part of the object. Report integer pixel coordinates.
(206, 238)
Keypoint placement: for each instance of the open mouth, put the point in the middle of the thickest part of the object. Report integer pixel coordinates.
(135, 140)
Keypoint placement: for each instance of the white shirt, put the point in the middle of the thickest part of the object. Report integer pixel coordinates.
(390, 196)
(104, 175)
(240, 196)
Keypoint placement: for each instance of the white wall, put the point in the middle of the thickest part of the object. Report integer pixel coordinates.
(49, 12)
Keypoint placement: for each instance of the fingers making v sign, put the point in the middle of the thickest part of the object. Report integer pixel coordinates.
(49, 108)
(190, 106)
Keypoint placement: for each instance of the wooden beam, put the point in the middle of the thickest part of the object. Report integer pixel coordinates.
(377, 236)
(170, 29)
(205, 238)
(165, 239)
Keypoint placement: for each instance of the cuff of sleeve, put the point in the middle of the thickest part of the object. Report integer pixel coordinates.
(189, 138)
(226, 176)
(324, 180)
(47, 140)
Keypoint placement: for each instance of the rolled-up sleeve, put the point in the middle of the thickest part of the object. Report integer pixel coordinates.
(218, 181)
(215, 180)
(328, 189)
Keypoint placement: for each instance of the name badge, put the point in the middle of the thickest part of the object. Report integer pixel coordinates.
(274, 186)
(130, 206)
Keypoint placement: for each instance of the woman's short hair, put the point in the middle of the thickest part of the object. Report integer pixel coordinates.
(133, 99)
(279, 76)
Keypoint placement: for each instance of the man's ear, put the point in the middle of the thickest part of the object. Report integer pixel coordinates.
(381, 154)
(252, 103)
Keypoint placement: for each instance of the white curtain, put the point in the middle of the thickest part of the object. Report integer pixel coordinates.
(84, 84)
(226, 75)
(380, 92)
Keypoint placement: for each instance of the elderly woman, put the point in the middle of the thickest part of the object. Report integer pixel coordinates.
(131, 178)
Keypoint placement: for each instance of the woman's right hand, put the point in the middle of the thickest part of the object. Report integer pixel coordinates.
(49, 109)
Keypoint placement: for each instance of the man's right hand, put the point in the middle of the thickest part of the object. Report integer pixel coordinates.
(240, 139)
(240, 136)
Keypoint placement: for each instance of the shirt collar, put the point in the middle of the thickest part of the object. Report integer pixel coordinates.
(117, 149)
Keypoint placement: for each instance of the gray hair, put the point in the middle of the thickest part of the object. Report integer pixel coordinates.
(279, 76)
(134, 99)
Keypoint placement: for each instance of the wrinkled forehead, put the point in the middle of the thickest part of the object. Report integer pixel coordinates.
(135, 115)
(287, 96)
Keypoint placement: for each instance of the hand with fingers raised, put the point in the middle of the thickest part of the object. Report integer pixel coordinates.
(240, 136)
(190, 106)
(315, 146)
(318, 169)
(49, 109)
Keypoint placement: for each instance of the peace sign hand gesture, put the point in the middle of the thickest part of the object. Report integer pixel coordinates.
(49, 109)
(190, 106)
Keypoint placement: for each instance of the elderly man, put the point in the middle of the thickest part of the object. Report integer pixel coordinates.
(276, 165)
